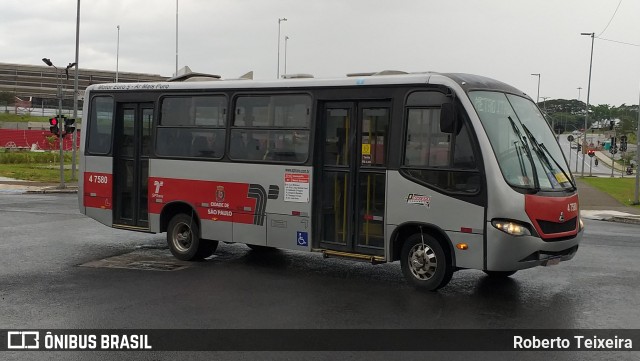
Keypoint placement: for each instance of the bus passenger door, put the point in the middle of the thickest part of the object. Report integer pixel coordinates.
(131, 165)
(352, 186)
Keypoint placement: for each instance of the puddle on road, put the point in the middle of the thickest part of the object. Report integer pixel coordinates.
(142, 259)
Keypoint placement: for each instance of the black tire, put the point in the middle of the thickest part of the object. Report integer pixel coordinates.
(183, 238)
(430, 274)
(499, 274)
(262, 249)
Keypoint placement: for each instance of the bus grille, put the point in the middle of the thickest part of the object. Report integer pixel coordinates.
(553, 227)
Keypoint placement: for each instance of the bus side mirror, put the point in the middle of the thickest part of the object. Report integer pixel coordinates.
(448, 118)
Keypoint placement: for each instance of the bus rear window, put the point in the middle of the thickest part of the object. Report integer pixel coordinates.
(100, 125)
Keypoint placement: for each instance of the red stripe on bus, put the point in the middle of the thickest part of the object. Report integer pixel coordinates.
(215, 201)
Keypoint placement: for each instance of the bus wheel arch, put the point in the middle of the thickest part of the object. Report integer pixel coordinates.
(174, 208)
(182, 225)
(436, 264)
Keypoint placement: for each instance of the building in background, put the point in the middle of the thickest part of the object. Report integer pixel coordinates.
(35, 86)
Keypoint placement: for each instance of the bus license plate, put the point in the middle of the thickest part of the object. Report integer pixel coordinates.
(552, 262)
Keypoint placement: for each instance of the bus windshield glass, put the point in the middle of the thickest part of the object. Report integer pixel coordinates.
(526, 149)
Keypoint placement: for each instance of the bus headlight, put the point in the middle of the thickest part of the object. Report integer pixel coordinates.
(511, 227)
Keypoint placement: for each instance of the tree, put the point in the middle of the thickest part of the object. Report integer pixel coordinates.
(7, 99)
(573, 106)
(601, 112)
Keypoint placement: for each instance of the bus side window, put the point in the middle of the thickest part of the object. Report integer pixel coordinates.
(206, 146)
(178, 143)
(438, 158)
(199, 146)
(245, 147)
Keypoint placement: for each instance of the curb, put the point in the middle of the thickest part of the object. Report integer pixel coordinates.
(53, 191)
(628, 220)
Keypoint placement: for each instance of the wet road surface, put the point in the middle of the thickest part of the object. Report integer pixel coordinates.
(42, 285)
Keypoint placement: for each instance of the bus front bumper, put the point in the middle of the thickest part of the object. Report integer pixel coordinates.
(510, 253)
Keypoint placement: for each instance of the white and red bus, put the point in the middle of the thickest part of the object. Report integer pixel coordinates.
(442, 172)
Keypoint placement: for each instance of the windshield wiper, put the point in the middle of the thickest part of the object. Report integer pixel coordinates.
(541, 149)
(527, 151)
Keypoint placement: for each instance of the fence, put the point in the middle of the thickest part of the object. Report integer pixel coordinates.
(25, 140)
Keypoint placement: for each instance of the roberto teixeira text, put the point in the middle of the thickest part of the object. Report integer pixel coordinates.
(577, 342)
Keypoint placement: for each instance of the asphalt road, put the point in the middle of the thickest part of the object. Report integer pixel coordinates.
(571, 154)
(42, 285)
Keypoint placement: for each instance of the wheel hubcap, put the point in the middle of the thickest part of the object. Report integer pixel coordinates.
(182, 237)
(422, 262)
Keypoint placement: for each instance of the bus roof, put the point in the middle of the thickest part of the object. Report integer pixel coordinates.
(466, 81)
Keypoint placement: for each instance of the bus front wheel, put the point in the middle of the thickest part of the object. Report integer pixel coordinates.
(424, 263)
(183, 237)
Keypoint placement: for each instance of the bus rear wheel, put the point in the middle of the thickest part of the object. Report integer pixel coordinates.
(183, 238)
(424, 263)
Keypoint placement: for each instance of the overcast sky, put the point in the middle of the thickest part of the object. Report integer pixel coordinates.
(502, 39)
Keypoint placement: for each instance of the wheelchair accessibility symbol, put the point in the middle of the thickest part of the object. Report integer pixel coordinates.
(302, 239)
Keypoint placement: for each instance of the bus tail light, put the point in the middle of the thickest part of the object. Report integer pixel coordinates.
(511, 227)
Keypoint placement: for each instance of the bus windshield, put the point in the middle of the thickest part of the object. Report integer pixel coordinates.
(526, 149)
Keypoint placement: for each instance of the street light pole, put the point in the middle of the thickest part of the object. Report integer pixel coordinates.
(553, 121)
(176, 38)
(635, 199)
(59, 95)
(74, 137)
(538, 97)
(586, 117)
(279, 21)
(579, 88)
(286, 38)
(117, 53)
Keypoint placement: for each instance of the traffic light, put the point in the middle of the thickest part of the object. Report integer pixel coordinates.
(54, 126)
(579, 147)
(623, 143)
(591, 153)
(69, 126)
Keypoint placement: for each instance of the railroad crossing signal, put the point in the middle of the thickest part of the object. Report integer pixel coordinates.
(591, 153)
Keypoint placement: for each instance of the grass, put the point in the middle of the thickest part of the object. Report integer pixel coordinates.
(622, 189)
(37, 167)
(9, 117)
(48, 173)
